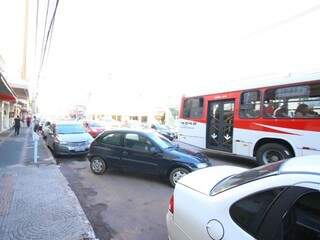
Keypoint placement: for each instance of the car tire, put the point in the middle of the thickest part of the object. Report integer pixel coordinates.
(98, 166)
(272, 152)
(54, 151)
(176, 174)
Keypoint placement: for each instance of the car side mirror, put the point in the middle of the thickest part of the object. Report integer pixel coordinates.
(155, 150)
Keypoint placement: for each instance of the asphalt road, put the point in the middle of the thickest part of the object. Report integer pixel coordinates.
(126, 206)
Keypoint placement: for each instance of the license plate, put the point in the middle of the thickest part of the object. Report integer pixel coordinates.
(79, 149)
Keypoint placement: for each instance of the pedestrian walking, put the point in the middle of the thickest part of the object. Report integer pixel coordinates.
(35, 124)
(17, 125)
(28, 121)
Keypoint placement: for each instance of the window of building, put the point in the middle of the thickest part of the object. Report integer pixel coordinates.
(134, 118)
(137, 142)
(302, 101)
(112, 139)
(302, 221)
(193, 107)
(144, 119)
(250, 104)
(249, 212)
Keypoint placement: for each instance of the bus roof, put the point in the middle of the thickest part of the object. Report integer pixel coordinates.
(260, 82)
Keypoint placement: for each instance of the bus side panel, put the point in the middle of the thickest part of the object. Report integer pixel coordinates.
(303, 142)
(192, 132)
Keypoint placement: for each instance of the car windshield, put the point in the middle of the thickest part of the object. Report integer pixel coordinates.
(96, 125)
(247, 176)
(69, 129)
(163, 127)
(161, 141)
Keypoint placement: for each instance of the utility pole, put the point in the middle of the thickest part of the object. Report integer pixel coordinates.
(25, 42)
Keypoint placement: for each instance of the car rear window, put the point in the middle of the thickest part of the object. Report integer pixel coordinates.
(245, 177)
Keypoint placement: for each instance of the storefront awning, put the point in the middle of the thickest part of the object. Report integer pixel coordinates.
(20, 88)
(6, 92)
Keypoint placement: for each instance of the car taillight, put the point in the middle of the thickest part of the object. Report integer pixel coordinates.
(171, 204)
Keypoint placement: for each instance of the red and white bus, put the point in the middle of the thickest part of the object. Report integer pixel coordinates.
(269, 123)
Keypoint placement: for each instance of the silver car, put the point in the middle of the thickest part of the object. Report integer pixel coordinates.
(68, 138)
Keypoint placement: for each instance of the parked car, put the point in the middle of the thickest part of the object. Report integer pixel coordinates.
(94, 128)
(111, 124)
(143, 151)
(165, 131)
(68, 138)
(278, 201)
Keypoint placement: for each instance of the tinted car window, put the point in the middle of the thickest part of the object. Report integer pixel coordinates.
(137, 142)
(112, 139)
(302, 221)
(248, 212)
(161, 141)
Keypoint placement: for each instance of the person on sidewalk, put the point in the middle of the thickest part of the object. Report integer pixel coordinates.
(28, 121)
(17, 125)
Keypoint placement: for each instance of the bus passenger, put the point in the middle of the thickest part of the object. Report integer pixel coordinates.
(303, 110)
(269, 110)
(281, 112)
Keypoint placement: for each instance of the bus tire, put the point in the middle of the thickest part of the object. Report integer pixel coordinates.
(272, 152)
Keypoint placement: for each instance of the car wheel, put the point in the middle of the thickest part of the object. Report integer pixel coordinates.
(176, 174)
(272, 152)
(98, 166)
(54, 151)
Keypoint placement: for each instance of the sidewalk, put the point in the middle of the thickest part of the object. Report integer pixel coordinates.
(36, 201)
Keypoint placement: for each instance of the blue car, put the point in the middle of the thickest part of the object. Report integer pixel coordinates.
(143, 151)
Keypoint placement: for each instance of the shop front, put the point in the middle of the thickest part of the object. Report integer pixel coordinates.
(7, 100)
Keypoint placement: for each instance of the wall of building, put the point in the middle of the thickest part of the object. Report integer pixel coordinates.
(6, 121)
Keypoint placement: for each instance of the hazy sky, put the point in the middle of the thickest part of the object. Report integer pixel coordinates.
(126, 53)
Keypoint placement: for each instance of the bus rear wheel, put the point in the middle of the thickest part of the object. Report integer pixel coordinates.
(272, 152)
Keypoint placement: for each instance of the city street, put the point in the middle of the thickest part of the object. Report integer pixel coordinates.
(149, 120)
(123, 205)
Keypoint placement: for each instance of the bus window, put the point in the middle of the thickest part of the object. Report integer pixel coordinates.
(301, 101)
(250, 104)
(193, 107)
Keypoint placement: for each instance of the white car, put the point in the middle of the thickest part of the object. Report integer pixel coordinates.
(276, 201)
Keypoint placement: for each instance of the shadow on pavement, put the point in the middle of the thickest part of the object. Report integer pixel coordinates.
(230, 159)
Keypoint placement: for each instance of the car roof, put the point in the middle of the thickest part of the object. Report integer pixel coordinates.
(306, 164)
(144, 131)
(67, 123)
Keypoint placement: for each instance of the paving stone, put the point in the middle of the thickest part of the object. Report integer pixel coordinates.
(36, 201)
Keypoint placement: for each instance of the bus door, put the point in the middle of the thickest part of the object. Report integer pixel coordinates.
(220, 125)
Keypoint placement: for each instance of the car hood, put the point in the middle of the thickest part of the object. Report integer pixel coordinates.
(80, 137)
(205, 179)
(185, 155)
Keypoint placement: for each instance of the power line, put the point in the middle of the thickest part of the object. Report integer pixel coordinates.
(50, 30)
(49, 43)
(286, 21)
(45, 27)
